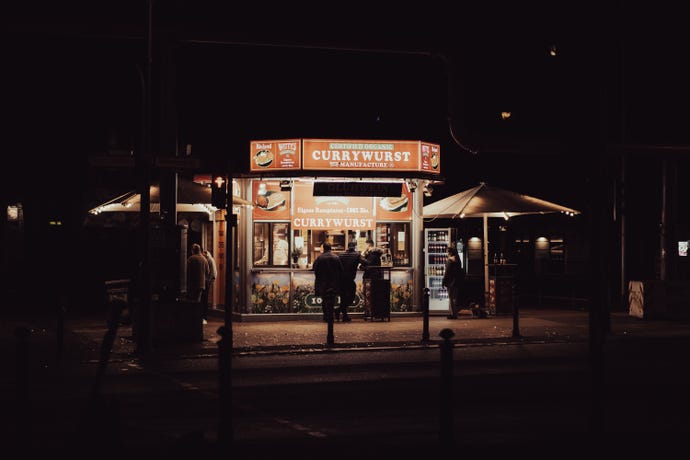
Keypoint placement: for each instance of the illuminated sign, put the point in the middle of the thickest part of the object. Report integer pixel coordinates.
(345, 155)
(281, 155)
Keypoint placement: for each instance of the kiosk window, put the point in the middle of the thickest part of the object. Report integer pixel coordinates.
(394, 238)
(270, 244)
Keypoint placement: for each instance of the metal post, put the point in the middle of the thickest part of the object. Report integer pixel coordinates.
(425, 315)
(60, 328)
(22, 410)
(143, 317)
(328, 301)
(485, 223)
(230, 224)
(116, 308)
(446, 394)
(225, 345)
(225, 431)
(516, 314)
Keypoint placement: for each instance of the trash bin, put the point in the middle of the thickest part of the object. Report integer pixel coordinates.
(377, 296)
(117, 298)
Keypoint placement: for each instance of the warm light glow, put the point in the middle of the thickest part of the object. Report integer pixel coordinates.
(505, 115)
(12, 213)
(552, 50)
(219, 181)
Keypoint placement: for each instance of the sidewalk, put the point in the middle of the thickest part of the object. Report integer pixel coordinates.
(83, 335)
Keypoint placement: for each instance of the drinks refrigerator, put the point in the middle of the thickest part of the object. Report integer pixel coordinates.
(436, 242)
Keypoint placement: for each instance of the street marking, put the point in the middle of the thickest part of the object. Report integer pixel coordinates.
(302, 428)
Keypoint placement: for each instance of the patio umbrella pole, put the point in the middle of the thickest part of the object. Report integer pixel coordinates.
(486, 260)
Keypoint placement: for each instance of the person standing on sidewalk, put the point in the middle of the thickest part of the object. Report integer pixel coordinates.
(453, 280)
(197, 272)
(328, 271)
(372, 272)
(207, 295)
(348, 289)
(372, 261)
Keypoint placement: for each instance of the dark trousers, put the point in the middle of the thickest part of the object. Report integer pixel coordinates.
(205, 296)
(348, 292)
(454, 300)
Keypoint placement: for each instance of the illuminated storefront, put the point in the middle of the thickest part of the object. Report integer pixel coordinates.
(307, 191)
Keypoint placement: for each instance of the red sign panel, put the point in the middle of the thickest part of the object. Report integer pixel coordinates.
(270, 203)
(345, 155)
(395, 207)
(430, 158)
(358, 155)
(330, 212)
(281, 155)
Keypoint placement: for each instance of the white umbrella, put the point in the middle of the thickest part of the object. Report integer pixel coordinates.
(486, 201)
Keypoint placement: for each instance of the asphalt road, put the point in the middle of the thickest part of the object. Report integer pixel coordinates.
(502, 398)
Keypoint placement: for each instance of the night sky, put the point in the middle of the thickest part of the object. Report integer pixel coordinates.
(74, 86)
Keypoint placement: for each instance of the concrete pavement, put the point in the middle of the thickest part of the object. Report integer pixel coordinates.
(82, 335)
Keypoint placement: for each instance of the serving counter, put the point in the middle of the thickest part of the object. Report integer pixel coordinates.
(291, 290)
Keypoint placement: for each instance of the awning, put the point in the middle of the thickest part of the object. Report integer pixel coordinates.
(191, 197)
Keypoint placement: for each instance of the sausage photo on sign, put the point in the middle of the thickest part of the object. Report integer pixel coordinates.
(270, 201)
(395, 204)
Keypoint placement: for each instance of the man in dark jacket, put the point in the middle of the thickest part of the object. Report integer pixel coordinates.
(372, 272)
(348, 289)
(453, 280)
(328, 270)
(372, 264)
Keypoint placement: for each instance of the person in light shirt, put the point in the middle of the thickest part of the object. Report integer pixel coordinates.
(281, 253)
(197, 272)
(207, 295)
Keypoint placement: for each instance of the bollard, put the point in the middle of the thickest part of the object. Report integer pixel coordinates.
(107, 346)
(446, 394)
(425, 316)
(329, 308)
(60, 329)
(516, 319)
(330, 336)
(225, 431)
(23, 409)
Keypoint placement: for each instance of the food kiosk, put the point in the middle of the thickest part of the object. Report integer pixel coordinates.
(307, 191)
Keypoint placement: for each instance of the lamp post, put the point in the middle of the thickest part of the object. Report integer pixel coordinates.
(143, 163)
(225, 431)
